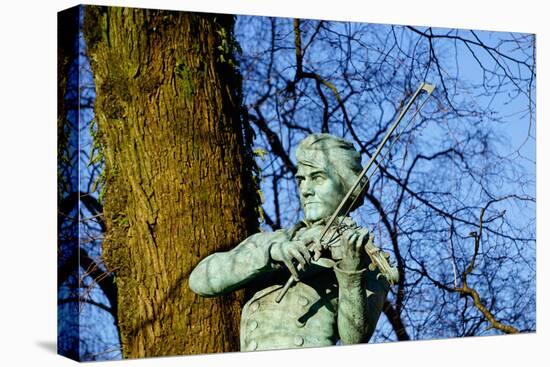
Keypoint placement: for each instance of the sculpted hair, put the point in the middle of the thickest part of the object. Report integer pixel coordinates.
(341, 156)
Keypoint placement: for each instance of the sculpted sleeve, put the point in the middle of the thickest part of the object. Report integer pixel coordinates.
(223, 272)
(360, 300)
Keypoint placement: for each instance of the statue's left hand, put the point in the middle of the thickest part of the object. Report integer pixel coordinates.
(354, 256)
(291, 253)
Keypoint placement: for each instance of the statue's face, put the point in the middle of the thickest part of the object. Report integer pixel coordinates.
(320, 191)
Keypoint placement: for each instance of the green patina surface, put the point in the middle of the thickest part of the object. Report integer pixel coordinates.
(340, 294)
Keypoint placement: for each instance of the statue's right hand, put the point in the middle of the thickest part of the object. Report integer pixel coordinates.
(291, 253)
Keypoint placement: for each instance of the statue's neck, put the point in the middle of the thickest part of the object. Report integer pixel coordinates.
(323, 221)
(319, 222)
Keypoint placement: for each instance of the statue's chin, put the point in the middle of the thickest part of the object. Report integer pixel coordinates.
(315, 216)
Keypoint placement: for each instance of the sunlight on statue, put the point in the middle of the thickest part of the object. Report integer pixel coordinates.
(338, 294)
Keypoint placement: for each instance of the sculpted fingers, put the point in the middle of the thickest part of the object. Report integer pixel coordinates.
(350, 240)
(299, 252)
(291, 253)
(296, 254)
(363, 233)
(304, 252)
(352, 253)
(316, 250)
(291, 267)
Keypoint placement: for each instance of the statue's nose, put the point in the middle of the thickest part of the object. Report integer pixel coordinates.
(306, 188)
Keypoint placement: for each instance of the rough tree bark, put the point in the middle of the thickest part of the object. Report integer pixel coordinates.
(178, 180)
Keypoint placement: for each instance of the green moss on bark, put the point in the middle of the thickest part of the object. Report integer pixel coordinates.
(178, 182)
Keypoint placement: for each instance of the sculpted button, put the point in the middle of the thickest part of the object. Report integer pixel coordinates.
(303, 301)
(253, 325)
(253, 345)
(254, 306)
(300, 323)
(298, 340)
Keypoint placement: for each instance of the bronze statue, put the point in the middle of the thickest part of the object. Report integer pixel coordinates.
(337, 293)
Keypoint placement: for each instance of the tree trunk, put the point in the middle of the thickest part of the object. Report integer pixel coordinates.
(178, 179)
